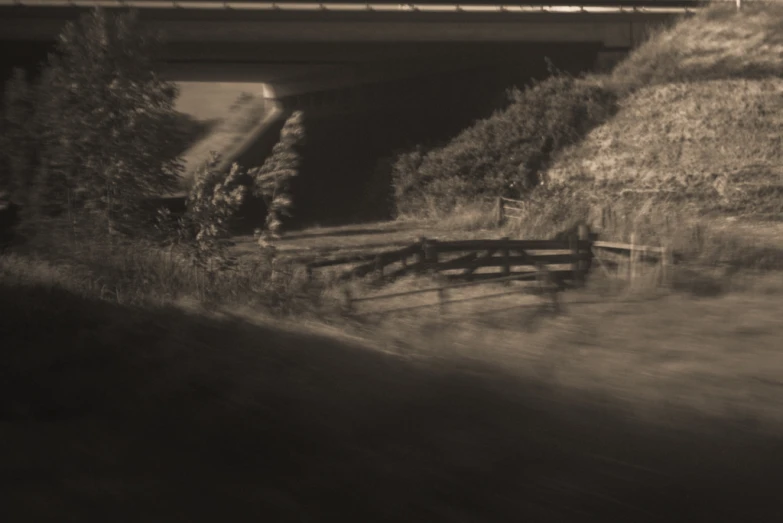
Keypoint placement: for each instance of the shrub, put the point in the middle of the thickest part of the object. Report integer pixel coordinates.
(213, 200)
(506, 153)
(271, 181)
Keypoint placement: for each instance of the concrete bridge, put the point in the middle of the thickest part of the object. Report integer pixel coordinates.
(297, 48)
(430, 66)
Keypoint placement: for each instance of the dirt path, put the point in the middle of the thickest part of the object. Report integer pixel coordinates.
(348, 239)
(380, 236)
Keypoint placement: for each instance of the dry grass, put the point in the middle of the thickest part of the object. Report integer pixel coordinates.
(468, 217)
(716, 356)
(717, 141)
(699, 122)
(717, 43)
(142, 274)
(701, 241)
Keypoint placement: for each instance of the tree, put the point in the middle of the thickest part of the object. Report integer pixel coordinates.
(271, 181)
(108, 128)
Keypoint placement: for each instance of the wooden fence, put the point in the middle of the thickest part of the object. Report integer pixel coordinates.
(568, 260)
(508, 208)
(637, 255)
(552, 265)
(544, 287)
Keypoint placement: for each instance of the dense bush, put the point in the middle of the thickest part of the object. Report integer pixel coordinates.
(506, 153)
(203, 229)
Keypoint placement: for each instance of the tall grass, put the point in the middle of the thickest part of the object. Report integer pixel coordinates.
(141, 272)
(705, 240)
(717, 43)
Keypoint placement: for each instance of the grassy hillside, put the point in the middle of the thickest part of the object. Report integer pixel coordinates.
(718, 139)
(692, 118)
(717, 43)
(701, 118)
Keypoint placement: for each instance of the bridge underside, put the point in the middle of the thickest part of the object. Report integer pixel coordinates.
(370, 85)
(296, 52)
(611, 29)
(354, 68)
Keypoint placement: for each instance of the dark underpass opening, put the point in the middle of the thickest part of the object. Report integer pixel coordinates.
(344, 175)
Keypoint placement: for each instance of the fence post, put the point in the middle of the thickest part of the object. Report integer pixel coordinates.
(662, 253)
(632, 260)
(442, 299)
(501, 211)
(573, 243)
(431, 254)
(347, 300)
(667, 260)
(584, 255)
(420, 254)
(546, 287)
(505, 254)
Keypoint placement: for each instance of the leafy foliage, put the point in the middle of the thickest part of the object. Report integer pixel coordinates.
(271, 181)
(212, 202)
(109, 136)
(217, 196)
(506, 153)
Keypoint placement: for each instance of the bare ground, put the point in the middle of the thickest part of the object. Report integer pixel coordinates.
(349, 239)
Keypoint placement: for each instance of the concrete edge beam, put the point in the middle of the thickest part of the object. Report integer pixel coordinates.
(617, 34)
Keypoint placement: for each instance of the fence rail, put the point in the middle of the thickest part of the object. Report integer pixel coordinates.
(544, 287)
(428, 255)
(555, 264)
(504, 205)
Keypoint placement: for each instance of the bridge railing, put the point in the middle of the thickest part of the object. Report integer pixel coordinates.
(552, 6)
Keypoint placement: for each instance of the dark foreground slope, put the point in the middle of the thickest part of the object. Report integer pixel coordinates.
(115, 414)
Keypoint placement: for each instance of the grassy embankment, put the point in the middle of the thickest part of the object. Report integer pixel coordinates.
(686, 149)
(120, 405)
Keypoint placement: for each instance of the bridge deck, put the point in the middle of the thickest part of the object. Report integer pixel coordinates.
(264, 22)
